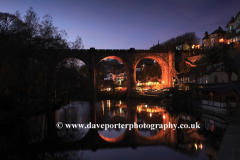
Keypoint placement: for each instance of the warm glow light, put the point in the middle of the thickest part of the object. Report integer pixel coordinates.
(164, 117)
(103, 107)
(193, 46)
(200, 146)
(150, 114)
(120, 110)
(162, 81)
(145, 105)
(221, 40)
(108, 103)
(195, 145)
(120, 102)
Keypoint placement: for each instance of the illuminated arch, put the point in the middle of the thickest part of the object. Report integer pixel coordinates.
(117, 58)
(120, 60)
(162, 63)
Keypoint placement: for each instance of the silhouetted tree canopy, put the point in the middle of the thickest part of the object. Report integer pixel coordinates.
(189, 38)
(32, 32)
(24, 77)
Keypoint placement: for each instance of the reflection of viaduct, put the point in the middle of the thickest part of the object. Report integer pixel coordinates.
(130, 58)
(130, 138)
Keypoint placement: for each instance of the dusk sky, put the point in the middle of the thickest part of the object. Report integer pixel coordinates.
(124, 24)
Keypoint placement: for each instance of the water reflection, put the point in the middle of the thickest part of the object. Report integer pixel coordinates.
(76, 112)
(188, 143)
(150, 114)
(111, 112)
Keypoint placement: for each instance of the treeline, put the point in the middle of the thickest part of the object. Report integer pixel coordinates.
(31, 32)
(189, 38)
(24, 79)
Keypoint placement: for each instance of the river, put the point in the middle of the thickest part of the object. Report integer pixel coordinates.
(46, 141)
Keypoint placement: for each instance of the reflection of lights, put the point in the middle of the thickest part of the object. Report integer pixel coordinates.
(195, 145)
(120, 110)
(150, 114)
(164, 117)
(120, 102)
(103, 107)
(108, 104)
(200, 146)
(145, 105)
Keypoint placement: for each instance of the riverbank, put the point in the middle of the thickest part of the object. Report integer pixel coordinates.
(230, 145)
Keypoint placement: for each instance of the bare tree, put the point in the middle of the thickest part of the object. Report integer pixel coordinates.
(77, 44)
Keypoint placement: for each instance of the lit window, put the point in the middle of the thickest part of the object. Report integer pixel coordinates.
(220, 40)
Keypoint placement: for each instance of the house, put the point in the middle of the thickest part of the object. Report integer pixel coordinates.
(216, 38)
(233, 29)
(187, 81)
(233, 32)
(215, 74)
(222, 98)
(117, 78)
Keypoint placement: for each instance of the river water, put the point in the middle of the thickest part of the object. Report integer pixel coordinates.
(46, 141)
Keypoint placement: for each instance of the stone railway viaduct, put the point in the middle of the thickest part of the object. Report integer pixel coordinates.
(129, 58)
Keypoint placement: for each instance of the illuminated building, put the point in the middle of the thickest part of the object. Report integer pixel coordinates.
(216, 38)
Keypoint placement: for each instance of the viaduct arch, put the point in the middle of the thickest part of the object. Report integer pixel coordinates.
(130, 58)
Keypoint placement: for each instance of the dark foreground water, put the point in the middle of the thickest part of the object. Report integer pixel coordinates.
(39, 138)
